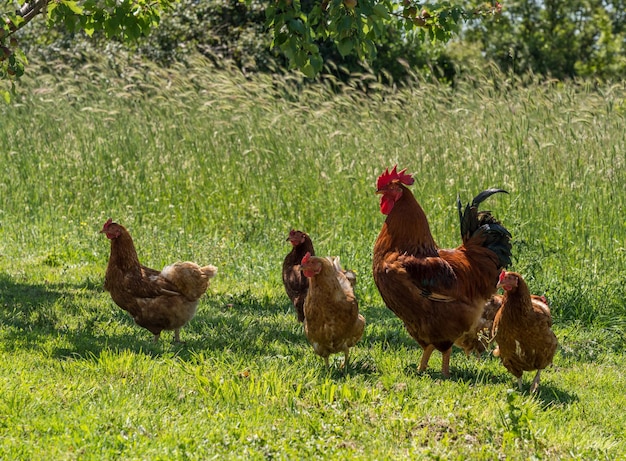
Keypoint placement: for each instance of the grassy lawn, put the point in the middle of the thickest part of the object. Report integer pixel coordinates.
(217, 168)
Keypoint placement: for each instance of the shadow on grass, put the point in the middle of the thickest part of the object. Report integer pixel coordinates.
(361, 366)
(242, 324)
(36, 316)
(72, 320)
(549, 395)
(49, 316)
(21, 302)
(487, 370)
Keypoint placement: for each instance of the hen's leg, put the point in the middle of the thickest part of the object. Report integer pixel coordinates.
(445, 365)
(299, 311)
(519, 383)
(326, 362)
(535, 385)
(177, 335)
(425, 357)
(156, 337)
(344, 365)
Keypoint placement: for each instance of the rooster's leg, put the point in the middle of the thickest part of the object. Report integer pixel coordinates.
(425, 357)
(445, 365)
(535, 385)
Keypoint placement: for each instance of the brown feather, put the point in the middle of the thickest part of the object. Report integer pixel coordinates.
(296, 284)
(479, 339)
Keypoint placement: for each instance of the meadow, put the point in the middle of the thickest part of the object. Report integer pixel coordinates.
(217, 167)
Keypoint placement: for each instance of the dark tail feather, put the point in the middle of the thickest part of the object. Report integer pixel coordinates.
(498, 240)
(471, 219)
(473, 222)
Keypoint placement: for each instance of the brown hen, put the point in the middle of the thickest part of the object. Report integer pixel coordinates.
(523, 330)
(478, 339)
(157, 300)
(296, 284)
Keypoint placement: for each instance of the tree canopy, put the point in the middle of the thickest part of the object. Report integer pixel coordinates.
(552, 38)
(298, 28)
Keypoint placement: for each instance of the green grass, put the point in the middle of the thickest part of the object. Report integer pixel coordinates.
(214, 167)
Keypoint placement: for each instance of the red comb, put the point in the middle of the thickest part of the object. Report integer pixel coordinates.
(108, 223)
(385, 178)
(306, 258)
(502, 275)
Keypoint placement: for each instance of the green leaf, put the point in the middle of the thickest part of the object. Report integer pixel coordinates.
(301, 58)
(297, 26)
(73, 6)
(345, 46)
(50, 9)
(317, 62)
(380, 10)
(369, 48)
(308, 70)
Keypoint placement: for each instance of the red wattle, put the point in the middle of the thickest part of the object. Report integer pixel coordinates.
(386, 204)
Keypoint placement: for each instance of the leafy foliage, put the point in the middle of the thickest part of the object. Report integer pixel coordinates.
(125, 19)
(556, 38)
(356, 26)
(306, 32)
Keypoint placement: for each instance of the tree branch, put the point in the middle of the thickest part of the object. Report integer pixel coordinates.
(27, 11)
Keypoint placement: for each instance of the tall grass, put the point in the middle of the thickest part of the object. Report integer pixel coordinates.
(204, 160)
(216, 167)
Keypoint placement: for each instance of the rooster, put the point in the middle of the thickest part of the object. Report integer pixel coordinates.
(522, 330)
(157, 301)
(438, 293)
(295, 283)
(332, 322)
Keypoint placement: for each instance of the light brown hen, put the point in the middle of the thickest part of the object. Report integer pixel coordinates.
(332, 322)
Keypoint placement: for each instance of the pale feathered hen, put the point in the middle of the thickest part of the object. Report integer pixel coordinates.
(332, 322)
